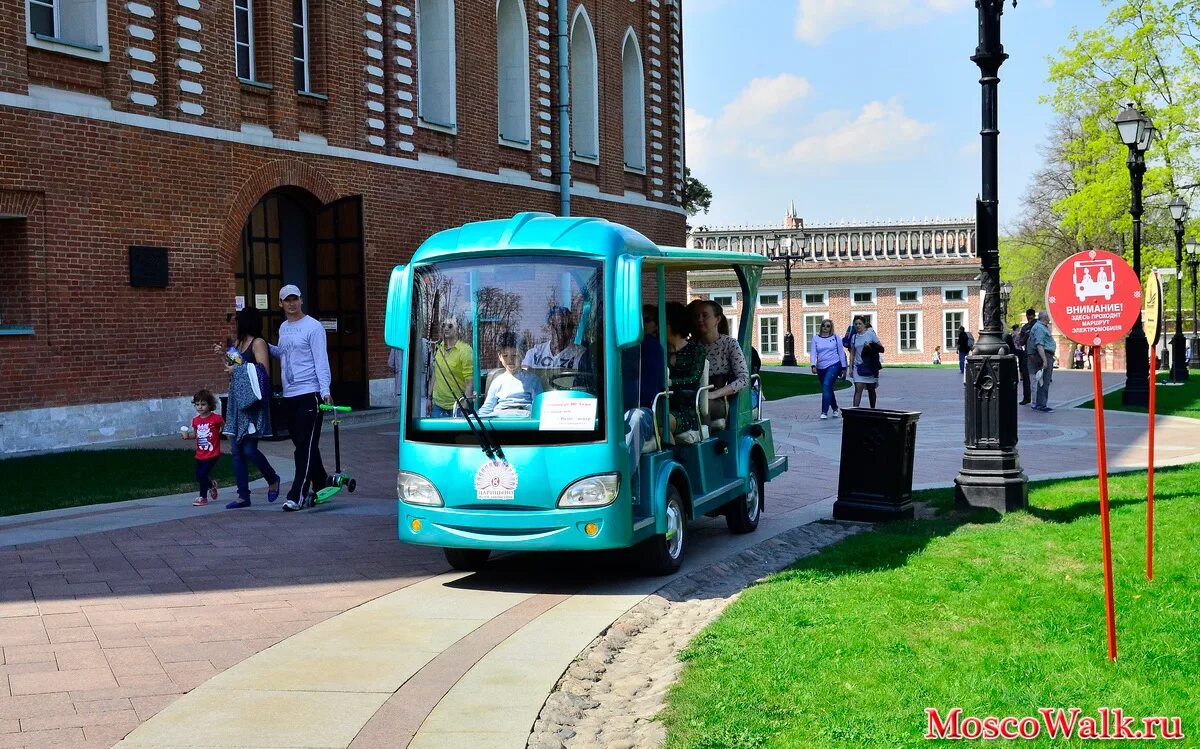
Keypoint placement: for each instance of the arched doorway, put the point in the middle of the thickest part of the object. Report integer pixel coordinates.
(289, 237)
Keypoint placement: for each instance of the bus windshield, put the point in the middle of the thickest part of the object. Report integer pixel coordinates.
(517, 341)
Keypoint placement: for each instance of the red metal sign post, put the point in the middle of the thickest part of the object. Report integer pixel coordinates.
(1094, 298)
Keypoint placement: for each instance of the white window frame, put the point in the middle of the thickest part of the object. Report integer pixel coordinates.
(733, 296)
(521, 139)
(733, 326)
(248, 43)
(946, 289)
(585, 101)
(426, 97)
(903, 290)
(920, 347)
(874, 297)
(98, 51)
(762, 349)
(303, 25)
(952, 335)
(777, 294)
(819, 317)
(633, 106)
(824, 297)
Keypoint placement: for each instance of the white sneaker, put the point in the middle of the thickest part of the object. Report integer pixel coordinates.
(824, 416)
(837, 414)
(291, 506)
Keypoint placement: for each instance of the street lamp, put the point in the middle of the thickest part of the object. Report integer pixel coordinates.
(991, 473)
(788, 249)
(1179, 367)
(1193, 261)
(1005, 295)
(1137, 133)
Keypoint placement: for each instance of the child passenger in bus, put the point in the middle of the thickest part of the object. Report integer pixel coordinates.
(512, 392)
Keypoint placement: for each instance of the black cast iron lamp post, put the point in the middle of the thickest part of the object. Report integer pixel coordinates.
(788, 249)
(991, 474)
(1179, 369)
(1137, 133)
(1193, 262)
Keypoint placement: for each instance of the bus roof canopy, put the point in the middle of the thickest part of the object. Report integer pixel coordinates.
(593, 237)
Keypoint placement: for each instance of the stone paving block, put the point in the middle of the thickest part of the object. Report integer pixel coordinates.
(76, 658)
(18, 609)
(127, 718)
(61, 681)
(38, 667)
(104, 706)
(14, 654)
(132, 661)
(23, 630)
(9, 725)
(122, 616)
(147, 707)
(104, 736)
(109, 633)
(30, 706)
(158, 681)
(57, 737)
(71, 634)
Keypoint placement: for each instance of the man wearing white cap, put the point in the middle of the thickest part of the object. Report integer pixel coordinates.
(304, 366)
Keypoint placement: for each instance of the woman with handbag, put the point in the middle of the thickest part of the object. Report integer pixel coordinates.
(864, 372)
(249, 406)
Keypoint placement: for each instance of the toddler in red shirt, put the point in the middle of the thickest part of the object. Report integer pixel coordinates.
(206, 430)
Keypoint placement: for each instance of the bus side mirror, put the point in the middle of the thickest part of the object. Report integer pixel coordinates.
(397, 317)
(627, 287)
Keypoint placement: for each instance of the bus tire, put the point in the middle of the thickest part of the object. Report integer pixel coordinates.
(662, 554)
(467, 560)
(742, 514)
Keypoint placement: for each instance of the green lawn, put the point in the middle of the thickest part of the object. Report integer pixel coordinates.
(92, 477)
(780, 385)
(1170, 400)
(998, 617)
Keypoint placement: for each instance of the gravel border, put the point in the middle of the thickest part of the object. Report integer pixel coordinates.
(608, 697)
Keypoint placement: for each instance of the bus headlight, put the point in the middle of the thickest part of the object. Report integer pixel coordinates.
(593, 491)
(416, 490)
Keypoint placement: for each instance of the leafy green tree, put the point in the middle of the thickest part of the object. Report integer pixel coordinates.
(696, 195)
(1147, 52)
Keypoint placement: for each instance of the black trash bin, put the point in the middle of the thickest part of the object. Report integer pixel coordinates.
(875, 476)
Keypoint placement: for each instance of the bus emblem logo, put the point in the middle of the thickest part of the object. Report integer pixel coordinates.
(495, 480)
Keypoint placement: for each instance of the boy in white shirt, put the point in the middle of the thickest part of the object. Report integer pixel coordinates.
(512, 392)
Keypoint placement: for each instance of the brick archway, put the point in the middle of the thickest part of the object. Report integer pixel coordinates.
(271, 176)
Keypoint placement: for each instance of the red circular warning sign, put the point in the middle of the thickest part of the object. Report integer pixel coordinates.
(1094, 297)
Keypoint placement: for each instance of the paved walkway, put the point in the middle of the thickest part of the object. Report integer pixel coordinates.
(156, 624)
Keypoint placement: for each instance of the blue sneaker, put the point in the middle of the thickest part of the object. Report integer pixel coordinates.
(1046, 409)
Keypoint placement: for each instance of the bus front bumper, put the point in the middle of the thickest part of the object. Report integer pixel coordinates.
(583, 529)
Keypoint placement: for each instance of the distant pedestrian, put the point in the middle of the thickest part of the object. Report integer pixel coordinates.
(937, 356)
(963, 344)
(1026, 347)
(249, 405)
(1041, 360)
(867, 361)
(206, 430)
(828, 360)
(304, 365)
(396, 364)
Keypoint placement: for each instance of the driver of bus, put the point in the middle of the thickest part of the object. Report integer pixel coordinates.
(561, 351)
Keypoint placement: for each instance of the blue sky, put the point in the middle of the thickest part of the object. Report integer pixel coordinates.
(861, 109)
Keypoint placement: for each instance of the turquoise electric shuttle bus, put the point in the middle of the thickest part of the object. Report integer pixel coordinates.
(521, 424)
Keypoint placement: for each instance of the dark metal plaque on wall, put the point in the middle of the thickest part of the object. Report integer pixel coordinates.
(148, 267)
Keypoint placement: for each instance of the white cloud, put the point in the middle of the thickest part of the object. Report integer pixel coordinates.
(971, 147)
(762, 98)
(880, 132)
(816, 20)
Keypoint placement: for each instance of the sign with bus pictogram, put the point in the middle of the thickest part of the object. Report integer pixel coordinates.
(1094, 297)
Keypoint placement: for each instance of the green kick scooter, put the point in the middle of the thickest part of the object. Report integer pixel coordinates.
(339, 479)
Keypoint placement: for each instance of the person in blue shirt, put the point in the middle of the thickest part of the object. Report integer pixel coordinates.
(512, 392)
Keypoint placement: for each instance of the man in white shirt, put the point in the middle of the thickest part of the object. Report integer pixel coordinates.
(561, 351)
(304, 369)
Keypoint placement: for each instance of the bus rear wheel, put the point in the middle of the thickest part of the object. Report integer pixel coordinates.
(663, 554)
(468, 560)
(742, 514)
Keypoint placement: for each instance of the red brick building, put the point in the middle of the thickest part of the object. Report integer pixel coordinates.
(162, 160)
(916, 280)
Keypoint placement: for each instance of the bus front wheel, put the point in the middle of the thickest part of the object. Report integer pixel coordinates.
(468, 560)
(663, 554)
(743, 513)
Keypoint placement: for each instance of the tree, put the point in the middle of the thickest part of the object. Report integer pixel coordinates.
(696, 195)
(1148, 53)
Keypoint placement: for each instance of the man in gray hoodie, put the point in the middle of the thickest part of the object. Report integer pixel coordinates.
(304, 366)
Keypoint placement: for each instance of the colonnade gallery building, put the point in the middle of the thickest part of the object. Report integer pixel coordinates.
(917, 281)
(162, 161)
